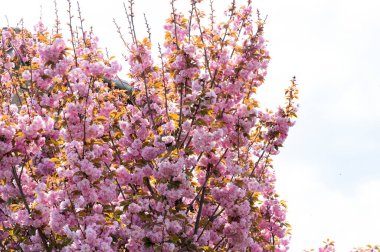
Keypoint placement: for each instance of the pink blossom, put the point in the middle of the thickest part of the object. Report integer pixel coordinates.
(149, 153)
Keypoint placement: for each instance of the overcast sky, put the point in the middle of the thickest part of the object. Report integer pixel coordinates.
(329, 169)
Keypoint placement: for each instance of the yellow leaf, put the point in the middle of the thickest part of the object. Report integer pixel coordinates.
(55, 160)
(42, 37)
(115, 114)
(55, 142)
(15, 207)
(98, 141)
(57, 36)
(207, 249)
(100, 119)
(174, 116)
(146, 42)
(19, 134)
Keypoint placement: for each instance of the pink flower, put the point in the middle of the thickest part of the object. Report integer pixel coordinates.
(203, 140)
(134, 208)
(149, 153)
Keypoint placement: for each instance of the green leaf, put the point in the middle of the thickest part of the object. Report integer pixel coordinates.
(174, 185)
(148, 242)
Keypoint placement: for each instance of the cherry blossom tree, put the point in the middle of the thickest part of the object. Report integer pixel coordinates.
(183, 162)
(329, 246)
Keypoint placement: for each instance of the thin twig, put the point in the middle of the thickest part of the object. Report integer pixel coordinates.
(150, 188)
(261, 156)
(130, 16)
(190, 20)
(201, 201)
(118, 28)
(57, 22)
(75, 213)
(175, 22)
(23, 197)
(72, 33)
(180, 115)
(199, 157)
(200, 206)
(219, 243)
(148, 101)
(207, 63)
(163, 80)
(134, 189)
(81, 23)
(211, 219)
(212, 16)
(117, 182)
(148, 28)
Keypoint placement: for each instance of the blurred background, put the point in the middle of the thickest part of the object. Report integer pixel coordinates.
(329, 169)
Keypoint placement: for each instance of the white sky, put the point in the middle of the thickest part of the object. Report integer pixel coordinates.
(329, 169)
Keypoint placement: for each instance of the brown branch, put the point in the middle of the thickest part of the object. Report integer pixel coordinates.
(207, 62)
(118, 29)
(72, 208)
(253, 141)
(199, 157)
(23, 197)
(200, 206)
(149, 186)
(163, 80)
(210, 219)
(57, 22)
(212, 16)
(257, 162)
(219, 243)
(264, 168)
(222, 42)
(117, 182)
(190, 20)
(203, 189)
(148, 100)
(134, 189)
(148, 28)
(130, 16)
(81, 23)
(85, 116)
(180, 116)
(238, 141)
(175, 22)
(72, 33)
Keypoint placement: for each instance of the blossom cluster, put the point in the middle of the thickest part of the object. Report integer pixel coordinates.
(183, 163)
(329, 246)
